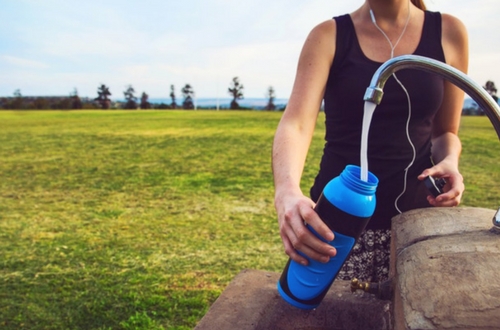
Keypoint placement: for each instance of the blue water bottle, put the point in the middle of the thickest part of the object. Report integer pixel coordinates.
(345, 205)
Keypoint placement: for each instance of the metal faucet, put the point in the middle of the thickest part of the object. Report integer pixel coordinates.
(375, 92)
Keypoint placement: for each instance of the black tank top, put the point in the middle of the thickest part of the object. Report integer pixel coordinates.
(389, 151)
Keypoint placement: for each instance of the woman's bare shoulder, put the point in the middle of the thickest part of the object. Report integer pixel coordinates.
(455, 42)
(322, 37)
(454, 30)
(324, 30)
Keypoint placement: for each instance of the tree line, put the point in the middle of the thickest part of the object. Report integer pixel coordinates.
(103, 100)
(131, 101)
(475, 109)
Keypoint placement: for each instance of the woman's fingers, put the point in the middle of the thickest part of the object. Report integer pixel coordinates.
(297, 237)
(452, 190)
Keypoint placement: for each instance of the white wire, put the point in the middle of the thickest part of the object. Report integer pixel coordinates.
(409, 141)
(393, 47)
(385, 35)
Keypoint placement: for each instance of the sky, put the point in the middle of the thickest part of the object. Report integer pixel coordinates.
(51, 47)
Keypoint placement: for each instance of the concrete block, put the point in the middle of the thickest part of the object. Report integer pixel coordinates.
(251, 302)
(447, 269)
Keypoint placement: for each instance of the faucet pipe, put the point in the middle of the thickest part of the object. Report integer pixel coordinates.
(381, 290)
(374, 93)
(496, 222)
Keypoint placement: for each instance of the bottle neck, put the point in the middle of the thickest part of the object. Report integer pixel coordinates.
(351, 177)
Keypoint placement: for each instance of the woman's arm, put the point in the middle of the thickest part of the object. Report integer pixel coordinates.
(446, 146)
(291, 144)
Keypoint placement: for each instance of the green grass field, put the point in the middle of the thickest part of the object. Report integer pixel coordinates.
(139, 219)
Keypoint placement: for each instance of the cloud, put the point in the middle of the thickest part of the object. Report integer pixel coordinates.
(55, 45)
(23, 63)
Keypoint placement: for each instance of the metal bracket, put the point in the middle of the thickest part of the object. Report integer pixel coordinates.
(496, 222)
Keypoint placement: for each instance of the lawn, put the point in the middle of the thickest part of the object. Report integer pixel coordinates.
(139, 219)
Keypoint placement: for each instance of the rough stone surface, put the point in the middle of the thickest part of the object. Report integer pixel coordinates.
(447, 269)
(251, 301)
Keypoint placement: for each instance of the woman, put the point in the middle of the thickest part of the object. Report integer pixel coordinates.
(336, 64)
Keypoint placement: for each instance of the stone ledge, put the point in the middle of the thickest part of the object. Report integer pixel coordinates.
(251, 301)
(446, 268)
(427, 223)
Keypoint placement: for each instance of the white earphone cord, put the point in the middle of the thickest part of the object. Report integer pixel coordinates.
(407, 97)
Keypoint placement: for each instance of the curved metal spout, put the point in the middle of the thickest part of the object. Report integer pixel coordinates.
(375, 92)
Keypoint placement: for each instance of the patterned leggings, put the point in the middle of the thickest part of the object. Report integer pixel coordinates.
(369, 259)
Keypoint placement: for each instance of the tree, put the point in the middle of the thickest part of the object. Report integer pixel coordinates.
(102, 96)
(271, 96)
(17, 102)
(76, 102)
(236, 92)
(187, 94)
(144, 101)
(491, 89)
(62, 104)
(173, 105)
(40, 103)
(131, 100)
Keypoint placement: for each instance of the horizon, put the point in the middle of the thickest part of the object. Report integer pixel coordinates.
(256, 102)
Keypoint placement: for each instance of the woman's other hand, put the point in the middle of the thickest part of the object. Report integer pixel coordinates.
(452, 190)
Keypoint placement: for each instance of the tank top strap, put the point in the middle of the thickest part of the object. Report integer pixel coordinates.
(430, 41)
(345, 39)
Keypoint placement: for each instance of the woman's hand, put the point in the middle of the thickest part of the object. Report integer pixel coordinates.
(293, 212)
(452, 190)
